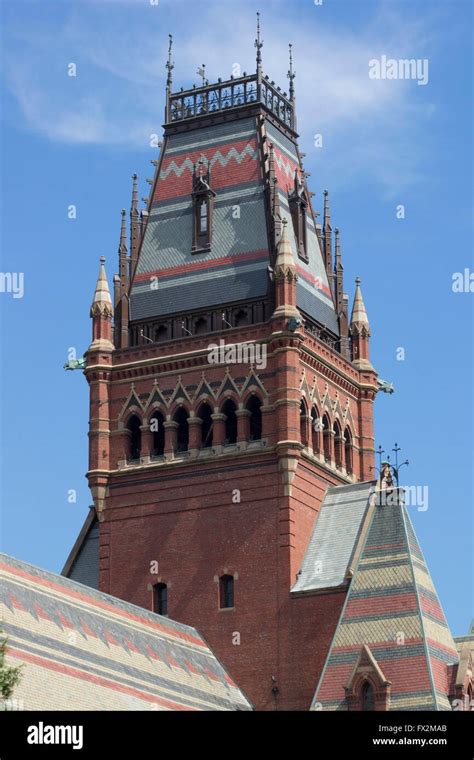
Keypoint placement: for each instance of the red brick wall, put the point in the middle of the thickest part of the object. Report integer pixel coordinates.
(181, 514)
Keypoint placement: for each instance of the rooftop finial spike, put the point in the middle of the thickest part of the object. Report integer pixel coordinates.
(169, 64)
(291, 74)
(101, 303)
(134, 194)
(359, 313)
(327, 213)
(123, 233)
(338, 261)
(259, 46)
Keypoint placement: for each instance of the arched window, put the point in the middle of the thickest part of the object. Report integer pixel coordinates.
(200, 326)
(161, 333)
(229, 410)
(182, 433)
(303, 423)
(337, 444)
(367, 696)
(135, 439)
(160, 598)
(254, 406)
(316, 430)
(158, 430)
(226, 591)
(348, 450)
(204, 414)
(326, 438)
(241, 318)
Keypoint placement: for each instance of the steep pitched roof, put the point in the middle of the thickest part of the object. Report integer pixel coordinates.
(236, 266)
(330, 553)
(313, 294)
(90, 651)
(82, 564)
(392, 606)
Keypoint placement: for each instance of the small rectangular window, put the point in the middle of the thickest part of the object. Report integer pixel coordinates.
(226, 591)
(203, 218)
(160, 601)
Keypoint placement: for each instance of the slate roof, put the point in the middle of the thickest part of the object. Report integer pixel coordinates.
(330, 550)
(85, 650)
(82, 564)
(235, 268)
(392, 607)
(313, 294)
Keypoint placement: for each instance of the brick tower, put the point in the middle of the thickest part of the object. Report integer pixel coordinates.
(230, 390)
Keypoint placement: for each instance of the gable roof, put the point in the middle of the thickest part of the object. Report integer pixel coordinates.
(392, 606)
(330, 552)
(91, 651)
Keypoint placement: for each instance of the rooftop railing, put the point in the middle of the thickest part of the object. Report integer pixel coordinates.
(215, 98)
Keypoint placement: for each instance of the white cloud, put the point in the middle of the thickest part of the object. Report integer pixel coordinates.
(118, 95)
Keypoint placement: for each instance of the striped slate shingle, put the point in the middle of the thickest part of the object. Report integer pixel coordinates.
(393, 608)
(235, 268)
(85, 650)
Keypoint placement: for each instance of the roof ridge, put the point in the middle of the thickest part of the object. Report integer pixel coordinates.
(404, 515)
(341, 616)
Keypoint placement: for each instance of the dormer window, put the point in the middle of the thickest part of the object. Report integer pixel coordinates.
(298, 208)
(203, 215)
(203, 203)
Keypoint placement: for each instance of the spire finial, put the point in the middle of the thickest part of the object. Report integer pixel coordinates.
(123, 233)
(101, 303)
(291, 74)
(327, 213)
(259, 46)
(134, 193)
(338, 261)
(359, 314)
(169, 64)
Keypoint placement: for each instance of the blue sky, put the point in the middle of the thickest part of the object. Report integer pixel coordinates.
(77, 140)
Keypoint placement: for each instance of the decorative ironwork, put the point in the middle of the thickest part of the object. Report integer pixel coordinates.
(386, 463)
(232, 93)
(291, 75)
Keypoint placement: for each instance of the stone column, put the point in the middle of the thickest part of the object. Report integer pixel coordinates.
(267, 412)
(305, 428)
(243, 426)
(194, 445)
(171, 436)
(332, 435)
(218, 431)
(147, 442)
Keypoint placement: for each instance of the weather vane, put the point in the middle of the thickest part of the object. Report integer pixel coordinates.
(291, 74)
(202, 73)
(258, 42)
(169, 63)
